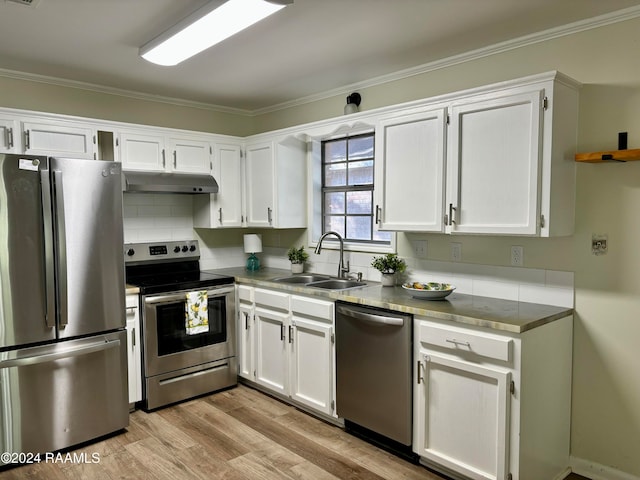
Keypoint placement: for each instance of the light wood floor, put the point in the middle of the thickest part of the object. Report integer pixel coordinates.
(233, 435)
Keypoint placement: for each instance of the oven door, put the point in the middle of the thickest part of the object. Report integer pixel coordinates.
(168, 346)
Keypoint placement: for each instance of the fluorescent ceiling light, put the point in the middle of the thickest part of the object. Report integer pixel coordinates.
(207, 26)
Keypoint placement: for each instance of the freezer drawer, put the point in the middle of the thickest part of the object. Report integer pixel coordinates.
(58, 395)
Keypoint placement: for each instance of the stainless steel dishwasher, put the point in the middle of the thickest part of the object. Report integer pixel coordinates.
(374, 375)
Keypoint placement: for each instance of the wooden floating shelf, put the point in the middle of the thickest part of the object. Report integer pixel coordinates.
(610, 156)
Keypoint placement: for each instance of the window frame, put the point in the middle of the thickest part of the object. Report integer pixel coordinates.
(315, 204)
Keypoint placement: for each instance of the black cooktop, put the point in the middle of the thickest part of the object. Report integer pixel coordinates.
(163, 267)
(164, 278)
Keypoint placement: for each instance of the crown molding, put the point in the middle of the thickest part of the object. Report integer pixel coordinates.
(63, 82)
(543, 36)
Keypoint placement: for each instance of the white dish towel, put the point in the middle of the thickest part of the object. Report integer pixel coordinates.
(196, 314)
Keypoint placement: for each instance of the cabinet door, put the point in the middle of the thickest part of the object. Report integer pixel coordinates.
(311, 363)
(190, 156)
(133, 350)
(228, 173)
(8, 136)
(58, 140)
(142, 152)
(494, 165)
(410, 159)
(463, 416)
(245, 328)
(270, 343)
(259, 185)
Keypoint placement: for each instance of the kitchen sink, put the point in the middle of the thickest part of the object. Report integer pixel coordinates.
(320, 281)
(301, 279)
(336, 284)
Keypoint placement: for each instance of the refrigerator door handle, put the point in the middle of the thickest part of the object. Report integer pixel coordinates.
(63, 307)
(49, 280)
(51, 357)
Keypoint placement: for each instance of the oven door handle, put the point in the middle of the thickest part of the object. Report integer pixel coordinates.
(172, 297)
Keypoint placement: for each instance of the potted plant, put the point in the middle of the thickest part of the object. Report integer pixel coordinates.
(389, 265)
(297, 257)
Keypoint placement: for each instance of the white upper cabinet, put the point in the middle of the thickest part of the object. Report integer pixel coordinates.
(157, 151)
(494, 165)
(58, 139)
(275, 183)
(507, 154)
(510, 159)
(142, 151)
(260, 179)
(225, 208)
(9, 135)
(190, 155)
(409, 171)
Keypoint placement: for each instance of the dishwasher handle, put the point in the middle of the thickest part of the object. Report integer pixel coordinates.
(371, 317)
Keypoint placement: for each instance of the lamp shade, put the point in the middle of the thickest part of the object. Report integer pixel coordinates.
(252, 243)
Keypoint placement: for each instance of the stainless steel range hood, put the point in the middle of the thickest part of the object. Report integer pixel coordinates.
(156, 182)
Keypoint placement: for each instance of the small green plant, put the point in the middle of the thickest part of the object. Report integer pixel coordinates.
(297, 255)
(389, 263)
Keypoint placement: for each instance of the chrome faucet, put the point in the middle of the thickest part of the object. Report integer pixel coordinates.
(342, 270)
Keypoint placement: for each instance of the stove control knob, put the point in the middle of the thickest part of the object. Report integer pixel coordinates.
(131, 252)
(192, 248)
(185, 248)
(176, 249)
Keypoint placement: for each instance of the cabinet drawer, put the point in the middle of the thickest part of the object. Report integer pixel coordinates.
(312, 307)
(460, 340)
(275, 300)
(245, 294)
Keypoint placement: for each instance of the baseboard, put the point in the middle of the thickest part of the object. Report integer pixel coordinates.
(595, 471)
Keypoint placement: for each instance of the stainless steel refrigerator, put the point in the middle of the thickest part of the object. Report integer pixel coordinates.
(63, 363)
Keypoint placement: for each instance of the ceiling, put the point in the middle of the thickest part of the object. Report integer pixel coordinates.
(307, 49)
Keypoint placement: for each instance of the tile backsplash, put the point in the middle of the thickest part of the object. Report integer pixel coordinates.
(151, 217)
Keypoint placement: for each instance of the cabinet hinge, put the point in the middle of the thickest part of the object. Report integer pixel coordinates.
(210, 150)
(254, 374)
(241, 153)
(541, 221)
(545, 103)
(509, 477)
(333, 338)
(512, 387)
(333, 405)
(448, 119)
(210, 165)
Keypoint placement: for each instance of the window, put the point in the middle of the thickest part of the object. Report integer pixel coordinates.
(347, 190)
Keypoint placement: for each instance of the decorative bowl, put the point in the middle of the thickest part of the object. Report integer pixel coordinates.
(429, 290)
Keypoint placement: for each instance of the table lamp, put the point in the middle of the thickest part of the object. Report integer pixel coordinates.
(252, 245)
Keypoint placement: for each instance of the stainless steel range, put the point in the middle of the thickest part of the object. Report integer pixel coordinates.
(188, 326)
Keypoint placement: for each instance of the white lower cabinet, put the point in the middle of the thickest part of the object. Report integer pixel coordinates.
(271, 363)
(286, 346)
(490, 405)
(133, 349)
(245, 328)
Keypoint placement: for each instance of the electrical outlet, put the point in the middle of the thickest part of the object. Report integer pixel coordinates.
(456, 251)
(420, 248)
(517, 256)
(599, 244)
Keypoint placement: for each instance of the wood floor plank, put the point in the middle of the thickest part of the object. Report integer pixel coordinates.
(245, 397)
(123, 465)
(325, 458)
(217, 443)
(157, 458)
